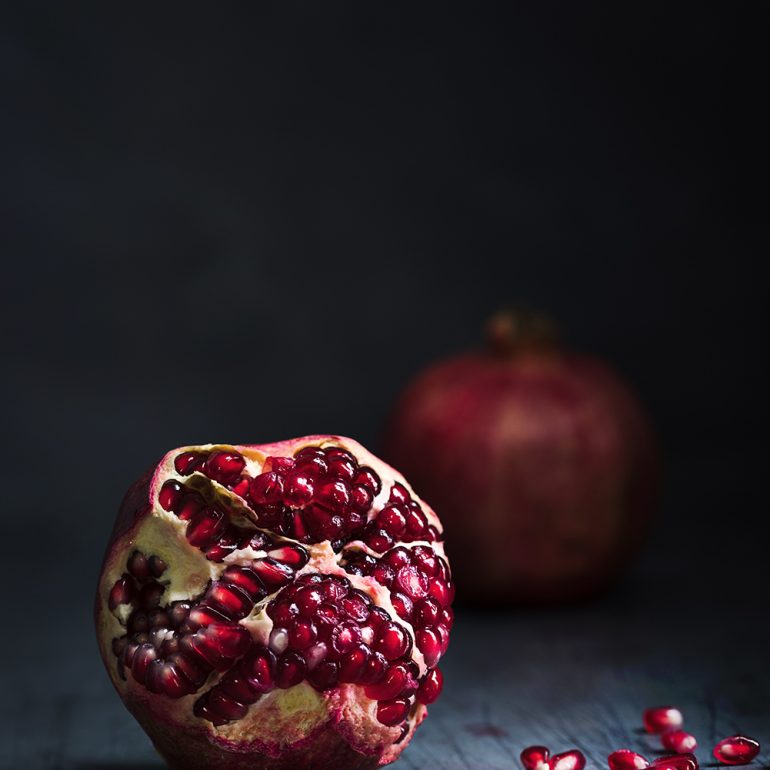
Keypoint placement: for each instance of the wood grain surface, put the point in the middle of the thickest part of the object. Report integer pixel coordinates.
(566, 677)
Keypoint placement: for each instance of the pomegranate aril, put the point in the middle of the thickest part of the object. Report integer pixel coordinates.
(327, 615)
(412, 582)
(661, 719)
(429, 643)
(341, 468)
(736, 750)
(430, 688)
(258, 668)
(170, 495)
(291, 555)
(402, 604)
(281, 465)
(535, 758)
(361, 497)
(568, 760)
(416, 523)
(393, 641)
(391, 685)
(272, 573)
(138, 622)
(171, 680)
(302, 634)
(399, 493)
(224, 467)
(290, 670)
(676, 762)
(158, 618)
(366, 477)
(324, 676)
(374, 669)
(122, 592)
(384, 574)
(241, 487)
(200, 651)
(308, 453)
(379, 540)
(344, 637)
(679, 741)
(392, 519)
(150, 595)
(625, 759)
(426, 612)
(201, 615)
(141, 661)
(334, 495)
(308, 599)
(338, 453)
(225, 706)
(230, 599)
(228, 639)
(247, 579)
(201, 710)
(356, 606)
(205, 527)
(448, 618)
(238, 687)
(392, 712)
(157, 566)
(189, 507)
(266, 489)
(440, 592)
(188, 462)
(314, 467)
(298, 489)
(353, 663)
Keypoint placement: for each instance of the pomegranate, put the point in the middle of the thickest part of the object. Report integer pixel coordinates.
(662, 719)
(540, 460)
(275, 606)
(736, 750)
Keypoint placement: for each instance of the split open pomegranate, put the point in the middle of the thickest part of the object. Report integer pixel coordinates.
(275, 606)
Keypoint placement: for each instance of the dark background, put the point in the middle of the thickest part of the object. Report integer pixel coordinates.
(243, 224)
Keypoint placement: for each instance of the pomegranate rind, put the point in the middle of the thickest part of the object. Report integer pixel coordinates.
(297, 727)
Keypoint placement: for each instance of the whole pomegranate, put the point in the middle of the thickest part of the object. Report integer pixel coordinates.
(540, 460)
(275, 606)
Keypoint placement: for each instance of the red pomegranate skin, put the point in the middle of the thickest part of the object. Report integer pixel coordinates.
(542, 463)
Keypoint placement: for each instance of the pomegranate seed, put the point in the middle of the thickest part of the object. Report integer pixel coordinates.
(568, 760)
(392, 518)
(122, 592)
(238, 688)
(366, 477)
(402, 604)
(266, 489)
(298, 489)
(353, 663)
(379, 540)
(308, 453)
(170, 495)
(342, 468)
(676, 762)
(429, 644)
(399, 493)
(150, 594)
(393, 641)
(391, 685)
(426, 612)
(736, 750)
(246, 579)
(384, 574)
(412, 582)
(290, 670)
(224, 467)
(241, 487)
(205, 527)
(344, 637)
(138, 566)
(293, 556)
(333, 494)
(226, 707)
(375, 668)
(315, 654)
(356, 606)
(281, 465)
(201, 616)
(679, 741)
(230, 599)
(302, 634)
(535, 758)
(324, 676)
(430, 687)
(625, 759)
(189, 507)
(189, 462)
(279, 640)
(141, 661)
(229, 640)
(258, 669)
(424, 558)
(338, 453)
(416, 523)
(361, 497)
(272, 573)
(661, 719)
(392, 712)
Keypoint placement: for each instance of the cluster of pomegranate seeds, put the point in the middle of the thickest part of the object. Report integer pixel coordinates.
(667, 721)
(421, 590)
(736, 750)
(539, 758)
(328, 633)
(172, 649)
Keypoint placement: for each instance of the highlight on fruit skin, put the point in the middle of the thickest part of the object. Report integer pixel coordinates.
(275, 606)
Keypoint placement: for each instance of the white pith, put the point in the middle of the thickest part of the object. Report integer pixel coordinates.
(292, 713)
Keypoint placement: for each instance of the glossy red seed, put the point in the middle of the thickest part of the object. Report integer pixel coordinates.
(194, 672)
(361, 497)
(535, 758)
(290, 670)
(228, 639)
(384, 574)
(188, 462)
(122, 592)
(292, 555)
(353, 663)
(429, 643)
(170, 495)
(342, 468)
(625, 759)
(334, 495)
(676, 762)
(150, 595)
(374, 669)
(281, 465)
(324, 676)
(403, 606)
(302, 634)
(272, 573)
(230, 599)
(225, 706)
(392, 712)
(266, 489)
(392, 641)
(172, 680)
(397, 557)
(344, 637)
(258, 668)
(246, 579)
(138, 566)
(736, 750)
(568, 760)
(661, 719)
(391, 685)
(399, 493)
(679, 741)
(426, 612)
(141, 661)
(416, 523)
(440, 592)
(201, 615)
(412, 582)
(241, 487)
(189, 507)
(379, 540)
(430, 687)
(238, 687)
(205, 527)
(298, 489)
(368, 478)
(224, 467)
(392, 519)
(356, 606)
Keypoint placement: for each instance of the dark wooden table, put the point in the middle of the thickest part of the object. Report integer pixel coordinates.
(566, 677)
